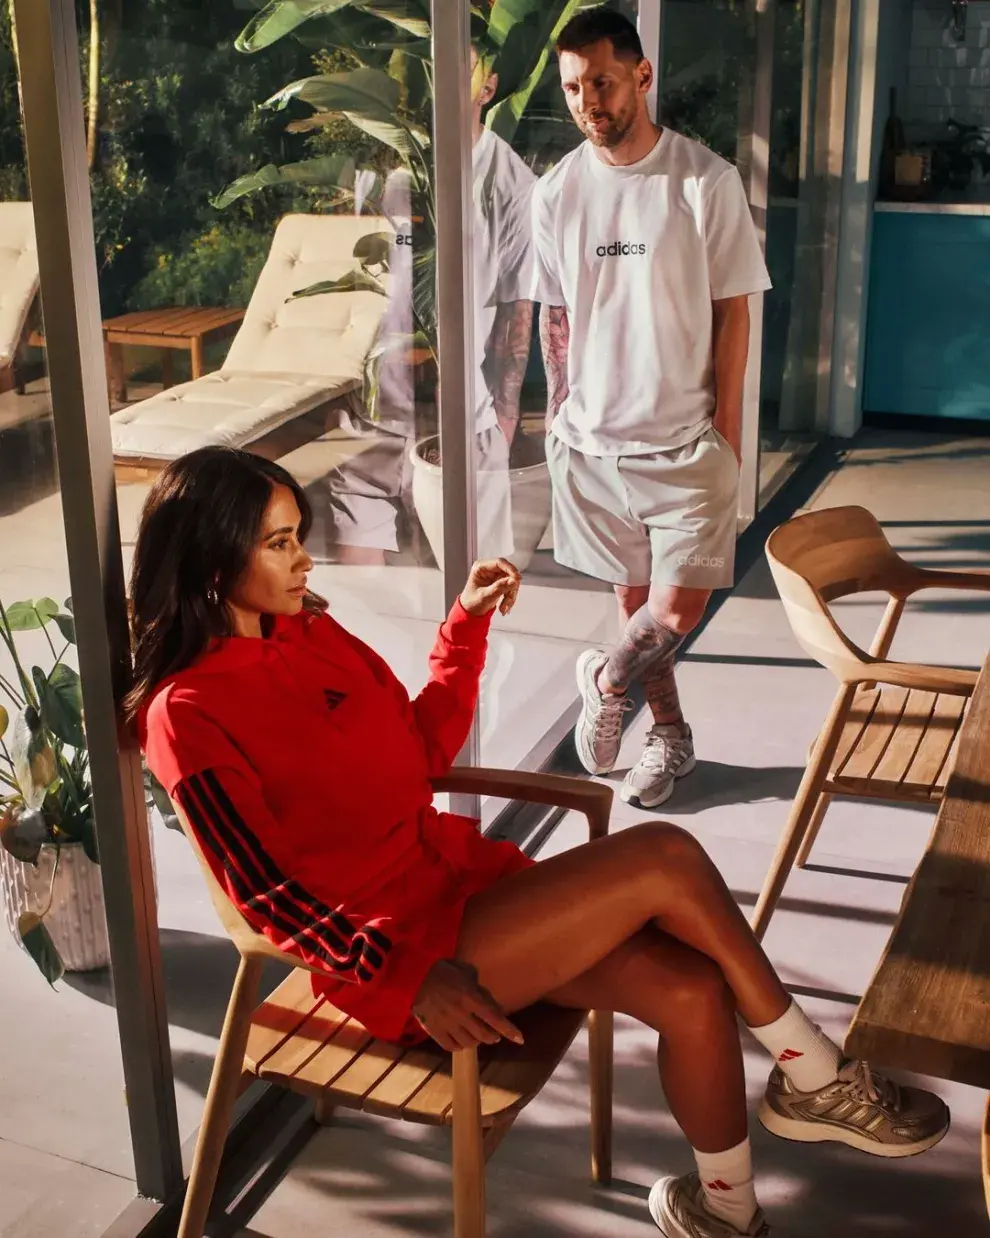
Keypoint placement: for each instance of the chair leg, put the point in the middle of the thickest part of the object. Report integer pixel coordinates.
(469, 1148)
(813, 828)
(325, 1109)
(224, 1085)
(985, 1154)
(600, 1033)
(802, 811)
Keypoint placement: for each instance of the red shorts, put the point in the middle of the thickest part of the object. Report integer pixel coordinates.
(426, 904)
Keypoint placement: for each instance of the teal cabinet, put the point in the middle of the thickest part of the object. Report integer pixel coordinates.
(928, 329)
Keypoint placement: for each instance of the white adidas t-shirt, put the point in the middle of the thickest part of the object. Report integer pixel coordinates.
(637, 254)
(503, 268)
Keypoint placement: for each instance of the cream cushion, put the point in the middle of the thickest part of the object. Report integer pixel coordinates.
(18, 274)
(288, 358)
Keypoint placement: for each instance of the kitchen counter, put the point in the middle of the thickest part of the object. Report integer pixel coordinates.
(970, 202)
(928, 320)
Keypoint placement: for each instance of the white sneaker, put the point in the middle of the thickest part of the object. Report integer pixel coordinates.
(668, 754)
(678, 1207)
(598, 734)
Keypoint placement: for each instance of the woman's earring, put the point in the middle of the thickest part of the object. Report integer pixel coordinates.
(212, 596)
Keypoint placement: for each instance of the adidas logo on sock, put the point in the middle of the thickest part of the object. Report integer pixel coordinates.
(717, 1185)
(789, 1055)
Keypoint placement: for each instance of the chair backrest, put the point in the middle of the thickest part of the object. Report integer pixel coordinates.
(821, 556)
(18, 274)
(247, 940)
(321, 336)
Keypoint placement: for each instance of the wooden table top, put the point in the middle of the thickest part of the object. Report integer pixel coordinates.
(179, 323)
(927, 1008)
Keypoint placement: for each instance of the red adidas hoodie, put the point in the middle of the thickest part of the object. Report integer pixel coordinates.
(304, 769)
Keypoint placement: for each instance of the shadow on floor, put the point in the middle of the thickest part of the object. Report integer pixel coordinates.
(538, 1188)
(716, 784)
(199, 974)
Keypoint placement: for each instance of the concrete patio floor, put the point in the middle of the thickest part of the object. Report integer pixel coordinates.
(755, 703)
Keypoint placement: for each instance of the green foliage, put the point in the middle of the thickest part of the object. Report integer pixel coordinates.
(45, 791)
(379, 83)
(219, 267)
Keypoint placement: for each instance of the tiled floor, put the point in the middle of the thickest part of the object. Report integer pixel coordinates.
(755, 704)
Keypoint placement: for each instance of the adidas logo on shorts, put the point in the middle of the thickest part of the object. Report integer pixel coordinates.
(620, 249)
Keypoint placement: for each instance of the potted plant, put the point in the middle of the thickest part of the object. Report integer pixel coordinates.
(388, 96)
(50, 883)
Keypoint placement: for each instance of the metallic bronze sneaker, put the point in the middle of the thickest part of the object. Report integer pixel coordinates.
(678, 1207)
(861, 1109)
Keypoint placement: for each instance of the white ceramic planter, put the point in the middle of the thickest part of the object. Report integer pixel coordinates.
(529, 495)
(77, 920)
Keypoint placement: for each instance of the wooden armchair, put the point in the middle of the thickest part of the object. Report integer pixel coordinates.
(307, 1045)
(892, 729)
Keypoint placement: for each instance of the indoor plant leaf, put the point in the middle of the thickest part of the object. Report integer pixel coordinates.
(60, 694)
(23, 833)
(67, 626)
(38, 943)
(86, 833)
(158, 798)
(279, 18)
(29, 616)
(33, 757)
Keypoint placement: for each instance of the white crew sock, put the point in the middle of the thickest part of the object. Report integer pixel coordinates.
(727, 1182)
(802, 1051)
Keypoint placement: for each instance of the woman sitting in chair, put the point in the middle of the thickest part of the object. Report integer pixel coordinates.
(304, 770)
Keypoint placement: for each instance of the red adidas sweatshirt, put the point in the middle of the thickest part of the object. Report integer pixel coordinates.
(304, 769)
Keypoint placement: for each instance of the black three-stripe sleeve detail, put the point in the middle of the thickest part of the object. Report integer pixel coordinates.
(262, 889)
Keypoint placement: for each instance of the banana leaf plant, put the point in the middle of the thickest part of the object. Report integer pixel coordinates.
(389, 96)
(45, 791)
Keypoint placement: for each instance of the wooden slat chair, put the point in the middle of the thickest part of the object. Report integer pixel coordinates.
(892, 729)
(307, 1045)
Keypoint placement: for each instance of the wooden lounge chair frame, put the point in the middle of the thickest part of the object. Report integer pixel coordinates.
(892, 730)
(479, 1121)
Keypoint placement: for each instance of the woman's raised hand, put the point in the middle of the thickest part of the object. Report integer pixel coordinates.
(457, 1011)
(493, 582)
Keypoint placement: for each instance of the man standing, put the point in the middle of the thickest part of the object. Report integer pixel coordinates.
(646, 256)
(372, 489)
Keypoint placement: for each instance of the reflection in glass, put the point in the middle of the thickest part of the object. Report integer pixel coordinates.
(786, 412)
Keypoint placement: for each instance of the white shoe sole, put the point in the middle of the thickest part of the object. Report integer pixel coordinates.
(665, 1224)
(579, 674)
(654, 801)
(818, 1132)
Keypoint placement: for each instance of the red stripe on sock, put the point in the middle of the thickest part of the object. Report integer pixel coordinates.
(717, 1185)
(789, 1055)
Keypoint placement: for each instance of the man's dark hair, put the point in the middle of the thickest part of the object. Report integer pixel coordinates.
(593, 25)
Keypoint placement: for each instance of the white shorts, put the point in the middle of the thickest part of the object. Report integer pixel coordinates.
(666, 518)
(372, 491)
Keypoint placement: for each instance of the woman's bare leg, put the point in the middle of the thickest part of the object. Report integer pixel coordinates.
(535, 931)
(683, 995)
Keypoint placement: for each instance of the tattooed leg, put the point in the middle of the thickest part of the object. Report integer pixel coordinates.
(652, 634)
(660, 689)
(645, 642)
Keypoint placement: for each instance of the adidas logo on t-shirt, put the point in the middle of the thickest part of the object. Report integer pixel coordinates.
(620, 249)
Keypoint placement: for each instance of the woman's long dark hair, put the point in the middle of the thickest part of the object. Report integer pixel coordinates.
(200, 523)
